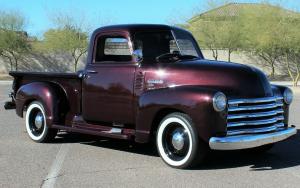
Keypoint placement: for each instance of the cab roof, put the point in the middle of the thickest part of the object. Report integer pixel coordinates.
(129, 27)
(135, 28)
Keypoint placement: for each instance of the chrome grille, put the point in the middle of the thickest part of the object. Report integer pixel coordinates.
(250, 116)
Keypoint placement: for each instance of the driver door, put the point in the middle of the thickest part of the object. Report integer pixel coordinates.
(107, 94)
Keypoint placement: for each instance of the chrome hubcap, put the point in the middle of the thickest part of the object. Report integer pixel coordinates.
(39, 120)
(178, 140)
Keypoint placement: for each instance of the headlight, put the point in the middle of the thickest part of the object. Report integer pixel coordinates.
(288, 96)
(219, 101)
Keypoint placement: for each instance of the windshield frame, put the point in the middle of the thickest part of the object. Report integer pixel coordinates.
(190, 37)
(172, 31)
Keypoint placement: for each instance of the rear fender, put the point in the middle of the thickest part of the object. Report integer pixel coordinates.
(49, 94)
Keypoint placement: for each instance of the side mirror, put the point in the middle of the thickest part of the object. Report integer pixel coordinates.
(80, 73)
(138, 55)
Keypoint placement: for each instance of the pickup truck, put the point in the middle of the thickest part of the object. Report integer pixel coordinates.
(146, 83)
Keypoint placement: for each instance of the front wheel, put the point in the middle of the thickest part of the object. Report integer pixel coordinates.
(36, 126)
(178, 143)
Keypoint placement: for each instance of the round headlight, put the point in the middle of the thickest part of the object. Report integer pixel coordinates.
(219, 101)
(288, 96)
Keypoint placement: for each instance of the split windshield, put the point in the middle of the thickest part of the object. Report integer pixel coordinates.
(151, 45)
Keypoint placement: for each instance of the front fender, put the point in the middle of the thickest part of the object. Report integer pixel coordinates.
(195, 101)
(46, 93)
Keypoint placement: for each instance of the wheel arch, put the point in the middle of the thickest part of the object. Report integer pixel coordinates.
(159, 116)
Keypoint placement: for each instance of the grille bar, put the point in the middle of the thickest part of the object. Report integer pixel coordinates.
(255, 115)
(255, 122)
(256, 130)
(256, 100)
(255, 107)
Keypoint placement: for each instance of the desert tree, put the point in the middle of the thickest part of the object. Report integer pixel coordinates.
(207, 35)
(216, 31)
(262, 33)
(69, 36)
(290, 48)
(14, 42)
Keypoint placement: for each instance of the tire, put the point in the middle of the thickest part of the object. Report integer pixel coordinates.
(178, 143)
(36, 126)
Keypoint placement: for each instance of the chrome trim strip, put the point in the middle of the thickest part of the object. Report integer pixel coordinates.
(249, 141)
(254, 115)
(255, 122)
(255, 100)
(176, 42)
(255, 130)
(257, 107)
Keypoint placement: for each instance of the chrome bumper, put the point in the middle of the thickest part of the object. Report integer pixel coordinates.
(250, 140)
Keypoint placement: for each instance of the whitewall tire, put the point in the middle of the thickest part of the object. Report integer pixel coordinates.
(178, 143)
(36, 125)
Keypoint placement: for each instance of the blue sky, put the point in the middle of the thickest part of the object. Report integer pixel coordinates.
(38, 12)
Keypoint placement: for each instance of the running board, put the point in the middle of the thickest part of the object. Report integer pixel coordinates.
(80, 126)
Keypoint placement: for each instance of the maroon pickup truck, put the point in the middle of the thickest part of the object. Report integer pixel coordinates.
(151, 82)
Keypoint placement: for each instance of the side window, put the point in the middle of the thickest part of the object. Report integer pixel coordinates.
(112, 49)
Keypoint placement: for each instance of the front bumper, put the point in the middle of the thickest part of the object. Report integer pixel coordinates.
(250, 140)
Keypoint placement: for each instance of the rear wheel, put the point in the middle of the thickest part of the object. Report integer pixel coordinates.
(178, 143)
(36, 126)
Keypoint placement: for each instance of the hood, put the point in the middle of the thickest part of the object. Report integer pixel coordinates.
(233, 79)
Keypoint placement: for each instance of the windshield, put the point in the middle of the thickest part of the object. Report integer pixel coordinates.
(151, 45)
(186, 43)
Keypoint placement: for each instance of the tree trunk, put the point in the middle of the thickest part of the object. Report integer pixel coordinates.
(14, 56)
(75, 63)
(76, 59)
(215, 54)
(16, 64)
(290, 71)
(229, 55)
(11, 64)
(270, 62)
(297, 77)
(272, 70)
